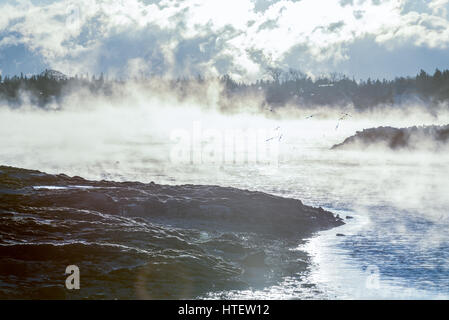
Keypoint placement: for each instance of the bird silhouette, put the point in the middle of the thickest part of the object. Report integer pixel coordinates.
(345, 115)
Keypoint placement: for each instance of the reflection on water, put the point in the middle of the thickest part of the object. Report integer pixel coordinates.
(383, 254)
(394, 244)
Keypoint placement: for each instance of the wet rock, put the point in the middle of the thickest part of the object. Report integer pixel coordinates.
(187, 206)
(256, 259)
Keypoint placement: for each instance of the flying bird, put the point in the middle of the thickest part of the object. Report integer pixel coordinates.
(345, 115)
(279, 136)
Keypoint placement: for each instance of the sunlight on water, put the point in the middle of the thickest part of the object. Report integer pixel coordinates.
(349, 270)
(395, 245)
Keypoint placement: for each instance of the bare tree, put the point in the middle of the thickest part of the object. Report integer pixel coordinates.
(275, 73)
(296, 75)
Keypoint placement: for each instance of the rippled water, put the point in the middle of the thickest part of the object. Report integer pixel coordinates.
(394, 244)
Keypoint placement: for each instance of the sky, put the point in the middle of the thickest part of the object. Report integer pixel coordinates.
(242, 38)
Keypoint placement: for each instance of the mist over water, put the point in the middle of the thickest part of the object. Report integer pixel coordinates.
(396, 240)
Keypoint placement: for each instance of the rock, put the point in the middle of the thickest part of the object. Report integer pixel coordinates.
(186, 206)
(256, 259)
(413, 138)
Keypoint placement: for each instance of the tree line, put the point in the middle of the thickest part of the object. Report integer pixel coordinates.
(281, 88)
(296, 88)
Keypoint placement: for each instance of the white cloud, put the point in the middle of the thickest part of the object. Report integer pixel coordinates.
(76, 36)
(439, 7)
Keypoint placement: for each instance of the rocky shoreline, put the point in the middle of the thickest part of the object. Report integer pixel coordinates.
(411, 138)
(136, 240)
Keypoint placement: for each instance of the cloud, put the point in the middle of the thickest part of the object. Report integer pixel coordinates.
(439, 7)
(239, 37)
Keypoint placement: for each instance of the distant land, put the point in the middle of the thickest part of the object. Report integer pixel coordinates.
(412, 138)
(283, 88)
